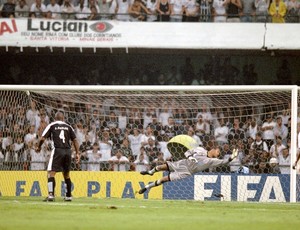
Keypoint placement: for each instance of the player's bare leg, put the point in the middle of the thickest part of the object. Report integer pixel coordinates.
(154, 184)
(68, 196)
(158, 168)
(51, 186)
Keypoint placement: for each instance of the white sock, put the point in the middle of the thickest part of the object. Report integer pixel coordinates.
(153, 184)
(154, 170)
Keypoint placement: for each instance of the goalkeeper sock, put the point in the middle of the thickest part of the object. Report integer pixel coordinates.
(154, 170)
(51, 186)
(68, 187)
(153, 184)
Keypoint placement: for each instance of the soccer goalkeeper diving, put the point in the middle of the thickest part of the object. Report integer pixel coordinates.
(196, 160)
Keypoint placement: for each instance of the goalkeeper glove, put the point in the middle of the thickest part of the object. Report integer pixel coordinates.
(234, 154)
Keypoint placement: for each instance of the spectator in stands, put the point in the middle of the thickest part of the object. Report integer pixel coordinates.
(119, 162)
(205, 10)
(292, 15)
(20, 117)
(259, 145)
(248, 10)
(42, 124)
(162, 142)
(219, 11)
(284, 74)
(285, 116)
(202, 128)
(37, 159)
(94, 157)
(138, 11)
(191, 10)
(8, 9)
(18, 148)
(22, 9)
(67, 10)
(38, 8)
(151, 6)
(221, 133)
(30, 136)
(233, 8)
(174, 77)
(106, 145)
(112, 121)
(127, 152)
(177, 9)
(148, 133)
(280, 130)
(107, 9)
(141, 164)
(158, 160)
(191, 133)
(82, 11)
(54, 8)
(268, 130)
(278, 11)
(41, 117)
(122, 10)
(261, 11)
(135, 139)
(236, 132)
(164, 115)
(163, 10)
(3, 119)
(95, 4)
(32, 113)
(151, 150)
(274, 167)
(284, 161)
(170, 129)
(251, 127)
(277, 148)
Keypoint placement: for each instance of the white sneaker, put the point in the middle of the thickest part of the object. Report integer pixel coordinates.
(68, 198)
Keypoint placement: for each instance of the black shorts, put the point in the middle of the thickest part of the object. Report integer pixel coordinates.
(60, 160)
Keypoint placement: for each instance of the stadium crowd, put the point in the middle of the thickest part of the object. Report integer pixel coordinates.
(135, 139)
(140, 70)
(277, 11)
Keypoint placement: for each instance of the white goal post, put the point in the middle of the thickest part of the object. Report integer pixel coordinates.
(244, 103)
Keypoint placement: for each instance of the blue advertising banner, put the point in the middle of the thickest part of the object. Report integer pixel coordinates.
(232, 187)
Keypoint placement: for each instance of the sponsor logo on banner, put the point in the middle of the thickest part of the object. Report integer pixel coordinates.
(8, 26)
(101, 27)
(61, 31)
(84, 184)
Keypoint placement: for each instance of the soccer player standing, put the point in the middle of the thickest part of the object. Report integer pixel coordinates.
(61, 134)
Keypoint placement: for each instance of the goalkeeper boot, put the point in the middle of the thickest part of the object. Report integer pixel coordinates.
(49, 198)
(146, 173)
(142, 190)
(68, 199)
(151, 172)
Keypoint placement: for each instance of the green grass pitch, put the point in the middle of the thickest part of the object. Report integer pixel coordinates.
(93, 213)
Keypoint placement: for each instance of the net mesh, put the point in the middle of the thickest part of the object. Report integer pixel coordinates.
(137, 125)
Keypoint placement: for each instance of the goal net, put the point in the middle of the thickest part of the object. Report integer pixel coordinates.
(124, 130)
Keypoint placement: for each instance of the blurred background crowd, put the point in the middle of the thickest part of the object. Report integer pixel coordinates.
(277, 11)
(134, 139)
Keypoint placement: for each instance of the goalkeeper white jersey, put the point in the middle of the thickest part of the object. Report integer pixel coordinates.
(188, 167)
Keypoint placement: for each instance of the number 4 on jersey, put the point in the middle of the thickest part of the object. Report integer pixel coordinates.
(62, 136)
